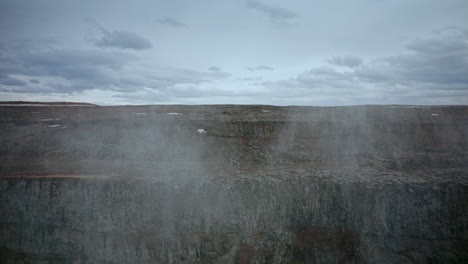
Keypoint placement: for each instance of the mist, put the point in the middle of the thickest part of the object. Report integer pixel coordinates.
(232, 184)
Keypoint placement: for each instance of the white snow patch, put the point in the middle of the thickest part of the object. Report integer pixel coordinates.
(54, 125)
(174, 114)
(266, 111)
(140, 114)
(435, 114)
(201, 131)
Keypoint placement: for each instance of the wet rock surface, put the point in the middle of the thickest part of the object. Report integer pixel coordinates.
(258, 184)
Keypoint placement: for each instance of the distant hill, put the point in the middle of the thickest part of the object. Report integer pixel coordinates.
(28, 103)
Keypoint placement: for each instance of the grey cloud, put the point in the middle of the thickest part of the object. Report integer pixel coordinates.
(82, 69)
(323, 79)
(123, 40)
(214, 68)
(11, 81)
(170, 22)
(67, 71)
(433, 46)
(186, 93)
(34, 81)
(347, 61)
(69, 59)
(251, 78)
(273, 12)
(176, 76)
(261, 68)
(432, 69)
(323, 76)
(440, 60)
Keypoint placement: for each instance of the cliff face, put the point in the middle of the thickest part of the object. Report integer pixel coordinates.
(290, 220)
(233, 184)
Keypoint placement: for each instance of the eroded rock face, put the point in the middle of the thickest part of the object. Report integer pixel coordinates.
(284, 185)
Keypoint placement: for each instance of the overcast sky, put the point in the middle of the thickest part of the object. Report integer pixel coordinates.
(297, 52)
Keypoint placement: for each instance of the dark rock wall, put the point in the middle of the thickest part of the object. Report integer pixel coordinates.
(291, 220)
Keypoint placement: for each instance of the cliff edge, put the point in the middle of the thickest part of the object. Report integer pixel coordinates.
(233, 184)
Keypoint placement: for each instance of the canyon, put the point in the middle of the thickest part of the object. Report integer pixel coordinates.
(233, 184)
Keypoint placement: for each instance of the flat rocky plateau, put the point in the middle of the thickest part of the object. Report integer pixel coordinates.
(81, 183)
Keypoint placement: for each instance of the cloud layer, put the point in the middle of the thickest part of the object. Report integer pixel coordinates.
(170, 22)
(251, 51)
(261, 68)
(433, 70)
(123, 40)
(273, 12)
(71, 71)
(347, 61)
